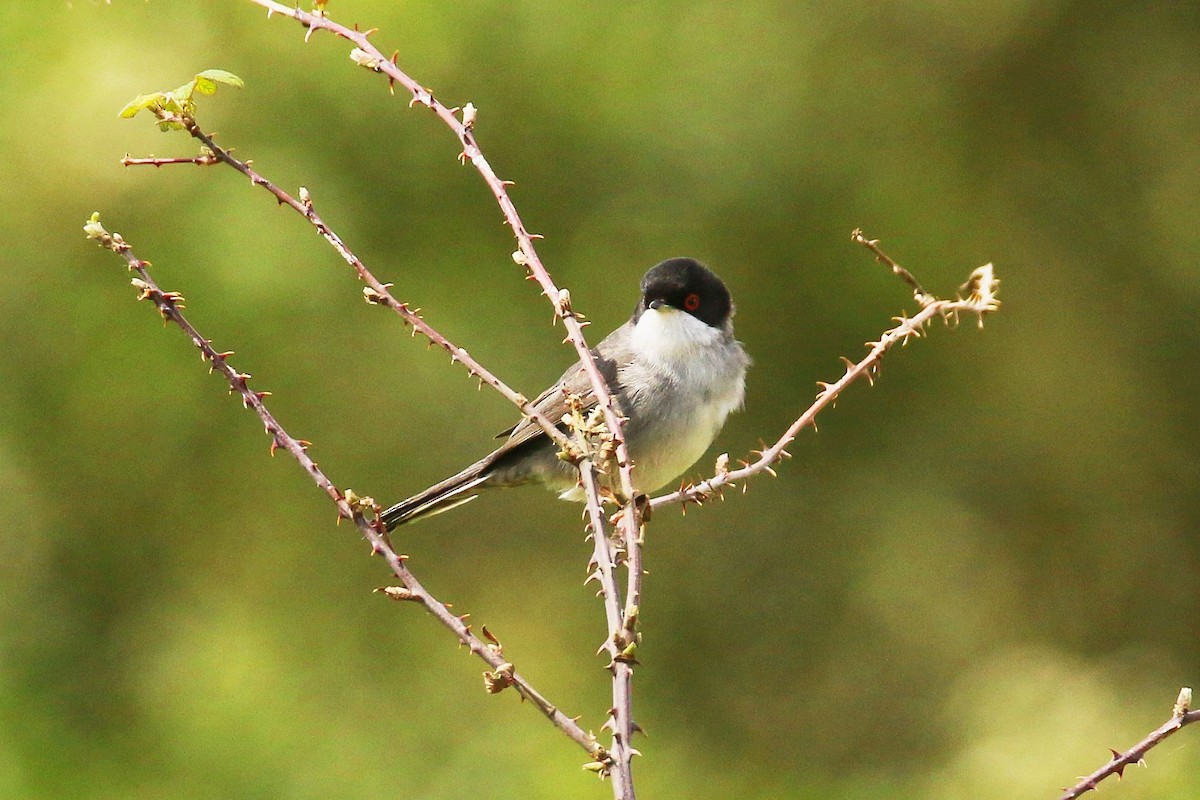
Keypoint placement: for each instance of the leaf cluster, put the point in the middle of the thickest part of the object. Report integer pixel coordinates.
(171, 107)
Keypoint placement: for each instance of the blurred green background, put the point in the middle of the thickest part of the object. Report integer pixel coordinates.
(975, 578)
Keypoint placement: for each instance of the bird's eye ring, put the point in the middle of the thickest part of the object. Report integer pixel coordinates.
(691, 302)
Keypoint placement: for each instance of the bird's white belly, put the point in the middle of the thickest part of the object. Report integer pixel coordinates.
(682, 385)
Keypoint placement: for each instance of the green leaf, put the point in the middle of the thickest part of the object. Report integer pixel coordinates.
(141, 103)
(220, 76)
(184, 92)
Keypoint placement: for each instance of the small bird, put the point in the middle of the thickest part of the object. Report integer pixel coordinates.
(675, 370)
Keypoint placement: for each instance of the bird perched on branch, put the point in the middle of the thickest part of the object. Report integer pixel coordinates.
(675, 371)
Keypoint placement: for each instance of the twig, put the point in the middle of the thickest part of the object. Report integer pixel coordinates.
(1180, 716)
(619, 644)
(375, 291)
(349, 505)
(368, 56)
(206, 159)
(980, 299)
(920, 295)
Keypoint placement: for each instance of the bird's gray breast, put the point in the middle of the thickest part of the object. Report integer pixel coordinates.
(677, 407)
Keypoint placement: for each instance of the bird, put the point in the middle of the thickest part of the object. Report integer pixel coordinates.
(675, 370)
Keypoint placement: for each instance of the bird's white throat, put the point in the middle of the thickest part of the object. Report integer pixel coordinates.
(668, 335)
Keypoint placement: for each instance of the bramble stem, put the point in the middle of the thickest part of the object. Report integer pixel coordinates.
(1180, 716)
(349, 506)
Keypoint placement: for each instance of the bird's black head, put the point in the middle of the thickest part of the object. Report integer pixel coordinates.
(688, 286)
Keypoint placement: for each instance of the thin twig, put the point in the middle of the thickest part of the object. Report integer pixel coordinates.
(349, 505)
(367, 55)
(1180, 716)
(370, 57)
(920, 295)
(980, 300)
(603, 570)
(202, 160)
(375, 291)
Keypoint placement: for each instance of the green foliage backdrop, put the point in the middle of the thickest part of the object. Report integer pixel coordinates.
(974, 579)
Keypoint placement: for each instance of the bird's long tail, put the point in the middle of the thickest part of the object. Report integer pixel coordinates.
(450, 493)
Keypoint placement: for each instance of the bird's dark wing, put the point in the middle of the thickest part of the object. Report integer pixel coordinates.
(552, 403)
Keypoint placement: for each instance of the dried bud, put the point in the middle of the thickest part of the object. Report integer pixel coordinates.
(398, 593)
(494, 642)
(628, 654)
(498, 681)
(361, 504)
(364, 59)
(93, 228)
(1184, 703)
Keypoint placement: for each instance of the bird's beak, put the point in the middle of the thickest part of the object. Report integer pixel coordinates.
(660, 305)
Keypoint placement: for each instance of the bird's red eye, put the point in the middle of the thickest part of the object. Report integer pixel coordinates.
(691, 302)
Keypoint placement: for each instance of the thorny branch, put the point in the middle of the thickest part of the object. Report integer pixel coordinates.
(621, 635)
(365, 54)
(622, 618)
(374, 291)
(976, 297)
(920, 295)
(362, 510)
(368, 56)
(1181, 714)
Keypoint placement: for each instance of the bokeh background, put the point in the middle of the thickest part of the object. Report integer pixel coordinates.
(976, 577)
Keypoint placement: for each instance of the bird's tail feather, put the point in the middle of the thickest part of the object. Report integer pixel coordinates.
(450, 493)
